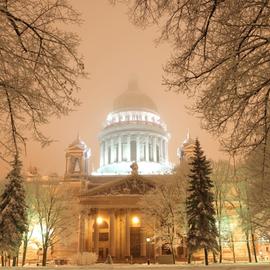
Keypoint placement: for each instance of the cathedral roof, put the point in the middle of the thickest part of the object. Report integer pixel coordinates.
(134, 99)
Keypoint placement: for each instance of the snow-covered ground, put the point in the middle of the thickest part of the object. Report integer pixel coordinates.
(265, 266)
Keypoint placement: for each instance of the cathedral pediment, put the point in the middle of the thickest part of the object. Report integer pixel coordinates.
(131, 185)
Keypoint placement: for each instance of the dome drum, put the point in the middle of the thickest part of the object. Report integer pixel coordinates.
(140, 147)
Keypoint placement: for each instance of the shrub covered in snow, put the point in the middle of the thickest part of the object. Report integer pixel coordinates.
(84, 258)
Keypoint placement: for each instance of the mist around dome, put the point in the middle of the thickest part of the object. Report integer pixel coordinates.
(134, 99)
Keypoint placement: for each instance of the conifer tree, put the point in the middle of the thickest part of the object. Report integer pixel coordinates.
(13, 218)
(202, 231)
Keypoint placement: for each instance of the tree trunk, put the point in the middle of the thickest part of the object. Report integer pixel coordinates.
(2, 259)
(44, 255)
(173, 254)
(248, 248)
(205, 256)
(219, 236)
(233, 250)
(14, 259)
(254, 247)
(214, 257)
(220, 249)
(189, 257)
(25, 244)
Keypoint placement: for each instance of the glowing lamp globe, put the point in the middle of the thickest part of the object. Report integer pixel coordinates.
(135, 220)
(99, 220)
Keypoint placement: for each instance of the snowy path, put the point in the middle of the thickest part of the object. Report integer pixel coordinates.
(158, 267)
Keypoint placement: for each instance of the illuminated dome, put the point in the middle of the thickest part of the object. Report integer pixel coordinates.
(134, 132)
(134, 99)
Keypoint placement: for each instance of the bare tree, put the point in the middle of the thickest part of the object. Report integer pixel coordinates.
(165, 212)
(56, 217)
(30, 190)
(221, 57)
(39, 65)
(258, 189)
(222, 175)
(240, 202)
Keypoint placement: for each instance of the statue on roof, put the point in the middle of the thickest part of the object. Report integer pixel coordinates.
(134, 167)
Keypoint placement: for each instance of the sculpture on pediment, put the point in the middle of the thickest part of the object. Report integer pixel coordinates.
(133, 184)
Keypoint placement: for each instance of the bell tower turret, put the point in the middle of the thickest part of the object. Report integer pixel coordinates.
(77, 159)
(185, 150)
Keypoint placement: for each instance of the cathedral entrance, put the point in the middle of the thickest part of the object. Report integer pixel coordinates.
(135, 242)
(103, 238)
(103, 253)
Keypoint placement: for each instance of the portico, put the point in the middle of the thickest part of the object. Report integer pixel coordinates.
(111, 222)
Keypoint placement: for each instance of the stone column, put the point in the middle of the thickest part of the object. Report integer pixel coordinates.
(166, 150)
(117, 234)
(112, 233)
(112, 151)
(96, 235)
(81, 164)
(119, 149)
(90, 233)
(138, 147)
(146, 148)
(127, 233)
(161, 150)
(155, 149)
(81, 232)
(101, 154)
(67, 164)
(86, 230)
(106, 152)
(143, 242)
(128, 148)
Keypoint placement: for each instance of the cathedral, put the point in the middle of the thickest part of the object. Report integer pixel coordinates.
(133, 159)
(105, 204)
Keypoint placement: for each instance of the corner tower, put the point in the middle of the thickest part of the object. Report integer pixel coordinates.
(134, 132)
(186, 149)
(77, 159)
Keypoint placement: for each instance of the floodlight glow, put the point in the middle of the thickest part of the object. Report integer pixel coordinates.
(135, 220)
(148, 239)
(99, 220)
(36, 234)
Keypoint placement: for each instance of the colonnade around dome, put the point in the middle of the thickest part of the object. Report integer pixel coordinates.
(135, 147)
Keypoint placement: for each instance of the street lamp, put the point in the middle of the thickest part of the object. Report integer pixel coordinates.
(148, 239)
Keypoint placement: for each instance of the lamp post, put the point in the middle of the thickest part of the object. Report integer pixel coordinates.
(148, 249)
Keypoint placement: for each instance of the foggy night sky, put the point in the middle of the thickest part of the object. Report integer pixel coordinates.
(115, 51)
